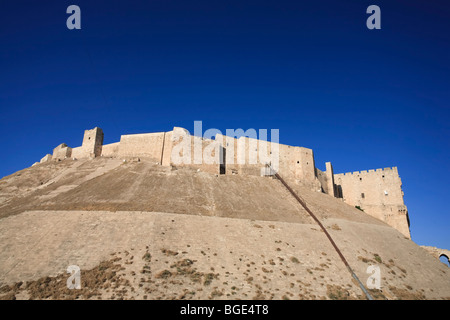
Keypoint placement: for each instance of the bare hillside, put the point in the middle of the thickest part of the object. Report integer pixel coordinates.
(139, 230)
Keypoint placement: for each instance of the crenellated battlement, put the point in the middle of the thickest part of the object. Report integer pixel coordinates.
(376, 191)
(371, 171)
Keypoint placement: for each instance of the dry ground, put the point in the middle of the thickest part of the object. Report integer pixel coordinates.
(141, 231)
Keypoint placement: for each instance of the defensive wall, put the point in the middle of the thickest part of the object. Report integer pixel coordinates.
(376, 192)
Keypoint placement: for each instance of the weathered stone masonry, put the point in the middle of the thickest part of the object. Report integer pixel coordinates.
(376, 192)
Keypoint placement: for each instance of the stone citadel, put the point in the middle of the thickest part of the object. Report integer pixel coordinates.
(376, 192)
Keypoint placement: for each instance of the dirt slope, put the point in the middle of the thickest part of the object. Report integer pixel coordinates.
(139, 230)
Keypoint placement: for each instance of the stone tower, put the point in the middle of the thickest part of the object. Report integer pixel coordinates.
(93, 142)
(377, 192)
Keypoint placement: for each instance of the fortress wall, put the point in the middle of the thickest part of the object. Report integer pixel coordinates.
(110, 150)
(256, 153)
(230, 146)
(307, 164)
(330, 179)
(242, 156)
(378, 193)
(294, 162)
(58, 149)
(47, 158)
(290, 162)
(62, 152)
(394, 215)
(298, 163)
(373, 184)
(323, 179)
(91, 146)
(93, 142)
(213, 152)
(147, 145)
(397, 218)
(183, 152)
(306, 170)
(79, 152)
(167, 148)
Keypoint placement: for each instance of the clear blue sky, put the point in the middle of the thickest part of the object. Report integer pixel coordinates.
(362, 99)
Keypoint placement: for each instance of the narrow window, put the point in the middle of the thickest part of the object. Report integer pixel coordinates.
(362, 195)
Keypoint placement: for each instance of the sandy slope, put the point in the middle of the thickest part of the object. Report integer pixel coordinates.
(138, 230)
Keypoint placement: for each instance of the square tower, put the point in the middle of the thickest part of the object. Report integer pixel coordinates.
(93, 142)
